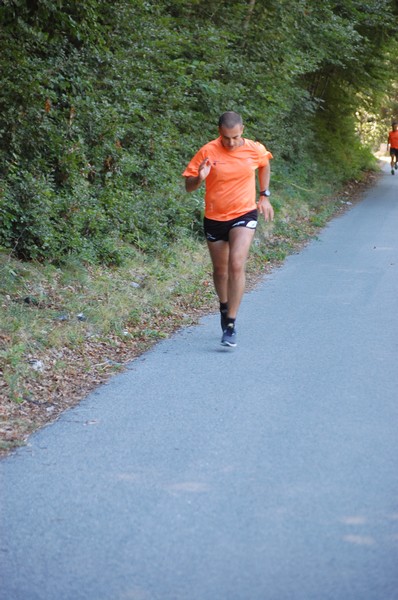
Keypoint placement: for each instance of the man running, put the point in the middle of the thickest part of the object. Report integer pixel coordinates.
(393, 145)
(228, 166)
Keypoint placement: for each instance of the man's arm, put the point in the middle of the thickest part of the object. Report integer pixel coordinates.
(264, 176)
(193, 183)
(264, 205)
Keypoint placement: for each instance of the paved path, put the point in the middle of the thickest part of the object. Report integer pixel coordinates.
(268, 472)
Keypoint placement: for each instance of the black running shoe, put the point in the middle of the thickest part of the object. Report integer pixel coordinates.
(392, 172)
(229, 336)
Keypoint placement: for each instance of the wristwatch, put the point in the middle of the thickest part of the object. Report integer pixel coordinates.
(265, 193)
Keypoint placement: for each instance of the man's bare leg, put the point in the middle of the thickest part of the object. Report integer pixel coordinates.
(240, 240)
(229, 263)
(219, 254)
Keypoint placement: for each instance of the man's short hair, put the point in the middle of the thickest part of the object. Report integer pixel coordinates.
(230, 119)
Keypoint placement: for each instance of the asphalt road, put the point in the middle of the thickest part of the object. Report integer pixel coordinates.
(267, 472)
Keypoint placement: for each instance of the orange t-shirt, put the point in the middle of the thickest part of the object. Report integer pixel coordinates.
(393, 139)
(231, 183)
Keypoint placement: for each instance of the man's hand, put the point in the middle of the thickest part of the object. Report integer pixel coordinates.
(265, 208)
(193, 183)
(204, 169)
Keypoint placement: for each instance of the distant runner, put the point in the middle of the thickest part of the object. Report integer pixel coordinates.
(393, 145)
(229, 164)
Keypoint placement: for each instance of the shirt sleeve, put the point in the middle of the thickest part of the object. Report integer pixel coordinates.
(192, 169)
(264, 155)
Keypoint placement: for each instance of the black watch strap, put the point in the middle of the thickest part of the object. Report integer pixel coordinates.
(265, 193)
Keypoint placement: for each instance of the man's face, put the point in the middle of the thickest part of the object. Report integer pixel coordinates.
(231, 138)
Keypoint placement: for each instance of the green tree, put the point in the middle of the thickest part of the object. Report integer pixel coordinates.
(102, 104)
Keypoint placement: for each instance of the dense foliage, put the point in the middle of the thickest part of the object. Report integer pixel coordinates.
(102, 104)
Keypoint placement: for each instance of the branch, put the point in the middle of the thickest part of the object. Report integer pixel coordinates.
(249, 14)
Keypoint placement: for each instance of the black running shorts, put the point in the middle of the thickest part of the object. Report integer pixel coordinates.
(394, 152)
(219, 230)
